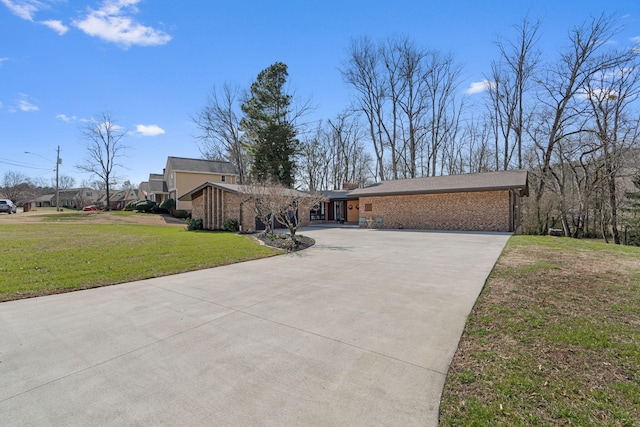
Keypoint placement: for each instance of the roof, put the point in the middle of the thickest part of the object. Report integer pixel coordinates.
(232, 188)
(487, 181)
(338, 194)
(181, 164)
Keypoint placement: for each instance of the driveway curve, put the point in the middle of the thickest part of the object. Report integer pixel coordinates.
(357, 330)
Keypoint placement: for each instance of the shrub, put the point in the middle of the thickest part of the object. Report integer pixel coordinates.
(194, 224)
(230, 224)
(181, 214)
(168, 205)
(140, 206)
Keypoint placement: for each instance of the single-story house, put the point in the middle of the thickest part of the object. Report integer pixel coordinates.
(488, 201)
(214, 202)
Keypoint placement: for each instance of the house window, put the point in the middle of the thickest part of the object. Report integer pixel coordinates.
(367, 207)
(223, 178)
(88, 193)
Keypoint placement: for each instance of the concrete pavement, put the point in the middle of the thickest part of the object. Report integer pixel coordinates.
(357, 330)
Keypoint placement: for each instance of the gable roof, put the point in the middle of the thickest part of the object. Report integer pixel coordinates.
(486, 181)
(181, 164)
(232, 188)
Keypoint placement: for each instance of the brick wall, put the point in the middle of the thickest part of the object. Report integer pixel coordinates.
(473, 211)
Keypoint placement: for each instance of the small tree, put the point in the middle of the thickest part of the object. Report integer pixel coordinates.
(273, 201)
(105, 148)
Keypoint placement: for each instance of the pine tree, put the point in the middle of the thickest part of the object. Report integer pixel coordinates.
(266, 124)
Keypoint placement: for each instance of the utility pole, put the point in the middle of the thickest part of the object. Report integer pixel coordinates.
(58, 161)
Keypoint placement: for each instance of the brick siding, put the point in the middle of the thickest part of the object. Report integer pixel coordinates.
(471, 211)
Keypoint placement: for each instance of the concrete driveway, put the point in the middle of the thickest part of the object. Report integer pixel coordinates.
(358, 330)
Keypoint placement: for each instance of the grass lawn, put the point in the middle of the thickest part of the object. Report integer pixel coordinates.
(554, 339)
(57, 256)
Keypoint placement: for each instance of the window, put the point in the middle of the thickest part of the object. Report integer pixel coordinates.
(367, 207)
(223, 178)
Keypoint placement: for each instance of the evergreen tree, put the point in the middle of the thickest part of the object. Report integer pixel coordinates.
(267, 126)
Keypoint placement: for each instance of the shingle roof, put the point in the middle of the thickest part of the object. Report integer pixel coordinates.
(182, 164)
(487, 181)
(232, 188)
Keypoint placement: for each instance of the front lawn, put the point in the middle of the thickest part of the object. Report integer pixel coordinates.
(39, 259)
(554, 339)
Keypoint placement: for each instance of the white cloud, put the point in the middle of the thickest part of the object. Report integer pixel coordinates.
(25, 105)
(65, 118)
(112, 23)
(478, 87)
(56, 26)
(24, 9)
(149, 130)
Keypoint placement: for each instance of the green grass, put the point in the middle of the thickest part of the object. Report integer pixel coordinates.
(48, 258)
(554, 339)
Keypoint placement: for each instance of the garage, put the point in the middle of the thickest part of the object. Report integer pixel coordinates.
(488, 201)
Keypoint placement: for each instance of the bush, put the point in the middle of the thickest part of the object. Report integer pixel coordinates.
(194, 224)
(230, 224)
(168, 205)
(141, 206)
(181, 214)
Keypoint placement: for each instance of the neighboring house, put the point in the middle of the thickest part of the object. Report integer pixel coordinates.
(474, 202)
(181, 175)
(72, 198)
(215, 202)
(44, 201)
(120, 198)
(155, 189)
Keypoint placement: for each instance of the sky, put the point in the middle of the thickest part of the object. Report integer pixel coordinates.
(152, 64)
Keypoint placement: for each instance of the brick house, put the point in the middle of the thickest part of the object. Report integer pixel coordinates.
(214, 202)
(488, 201)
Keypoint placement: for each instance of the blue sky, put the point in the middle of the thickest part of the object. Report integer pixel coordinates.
(152, 64)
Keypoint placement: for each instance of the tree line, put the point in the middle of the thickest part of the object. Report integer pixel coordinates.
(571, 119)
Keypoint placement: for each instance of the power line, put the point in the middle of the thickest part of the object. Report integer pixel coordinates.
(13, 163)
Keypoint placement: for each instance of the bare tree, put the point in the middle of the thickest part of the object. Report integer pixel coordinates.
(611, 95)
(16, 185)
(363, 72)
(563, 110)
(105, 148)
(221, 136)
(508, 83)
(442, 81)
(282, 204)
(64, 182)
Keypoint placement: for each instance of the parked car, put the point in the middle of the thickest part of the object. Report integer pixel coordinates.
(90, 208)
(7, 206)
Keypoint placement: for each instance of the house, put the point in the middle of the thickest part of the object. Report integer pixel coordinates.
(473, 202)
(70, 198)
(214, 202)
(120, 198)
(182, 175)
(488, 201)
(155, 189)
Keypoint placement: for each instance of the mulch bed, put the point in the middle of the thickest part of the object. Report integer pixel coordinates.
(283, 241)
